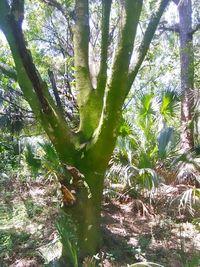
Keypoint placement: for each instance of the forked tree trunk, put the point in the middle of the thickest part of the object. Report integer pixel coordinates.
(86, 154)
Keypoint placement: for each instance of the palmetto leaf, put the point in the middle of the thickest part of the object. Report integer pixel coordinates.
(186, 201)
(67, 233)
(50, 158)
(50, 153)
(125, 128)
(144, 104)
(33, 162)
(141, 144)
(191, 156)
(169, 103)
(164, 139)
(148, 178)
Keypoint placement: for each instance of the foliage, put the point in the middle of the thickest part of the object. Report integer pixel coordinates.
(42, 158)
(32, 161)
(163, 141)
(141, 146)
(187, 165)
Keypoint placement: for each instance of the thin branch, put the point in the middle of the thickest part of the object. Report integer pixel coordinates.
(113, 29)
(55, 90)
(15, 105)
(24, 116)
(173, 28)
(19, 93)
(55, 4)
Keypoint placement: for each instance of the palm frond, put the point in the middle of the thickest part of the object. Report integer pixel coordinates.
(164, 139)
(33, 161)
(144, 104)
(122, 173)
(50, 158)
(148, 178)
(186, 201)
(169, 103)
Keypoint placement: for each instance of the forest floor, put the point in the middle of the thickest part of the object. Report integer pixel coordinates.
(133, 229)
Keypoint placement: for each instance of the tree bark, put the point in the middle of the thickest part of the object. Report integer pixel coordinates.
(85, 209)
(187, 73)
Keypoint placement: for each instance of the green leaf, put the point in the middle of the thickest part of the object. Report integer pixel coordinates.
(33, 162)
(163, 141)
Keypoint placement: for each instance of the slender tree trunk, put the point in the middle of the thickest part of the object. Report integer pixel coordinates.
(187, 73)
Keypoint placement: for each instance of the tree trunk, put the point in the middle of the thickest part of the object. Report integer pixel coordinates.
(85, 211)
(187, 172)
(187, 74)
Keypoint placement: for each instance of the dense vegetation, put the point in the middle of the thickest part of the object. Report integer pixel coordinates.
(99, 110)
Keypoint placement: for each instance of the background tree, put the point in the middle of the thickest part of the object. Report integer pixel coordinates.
(185, 31)
(85, 153)
(186, 28)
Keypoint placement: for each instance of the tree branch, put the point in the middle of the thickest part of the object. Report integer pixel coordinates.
(116, 89)
(102, 77)
(34, 89)
(14, 104)
(173, 28)
(17, 10)
(177, 2)
(55, 90)
(105, 135)
(86, 98)
(148, 36)
(15, 22)
(55, 4)
(81, 46)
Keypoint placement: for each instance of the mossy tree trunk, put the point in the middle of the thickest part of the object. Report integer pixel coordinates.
(88, 150)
